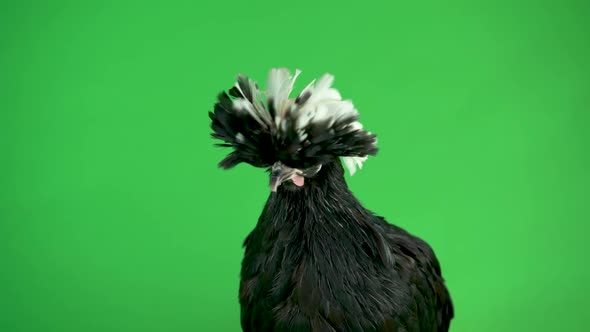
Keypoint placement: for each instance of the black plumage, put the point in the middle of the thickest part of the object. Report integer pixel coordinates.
(317, 260)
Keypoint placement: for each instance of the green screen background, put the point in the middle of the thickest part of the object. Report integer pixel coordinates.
(114, 217)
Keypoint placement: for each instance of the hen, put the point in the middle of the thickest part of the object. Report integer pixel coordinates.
(317, 260)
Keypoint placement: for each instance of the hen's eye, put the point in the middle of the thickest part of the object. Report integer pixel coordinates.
(311, 171)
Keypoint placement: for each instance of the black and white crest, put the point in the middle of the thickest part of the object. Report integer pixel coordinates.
(314, 128)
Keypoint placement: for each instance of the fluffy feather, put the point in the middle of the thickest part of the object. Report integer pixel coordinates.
(315, 127)
(279, 87)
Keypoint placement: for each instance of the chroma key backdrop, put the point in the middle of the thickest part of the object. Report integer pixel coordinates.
(115, 217)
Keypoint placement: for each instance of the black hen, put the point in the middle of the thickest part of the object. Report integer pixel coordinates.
(317, 259)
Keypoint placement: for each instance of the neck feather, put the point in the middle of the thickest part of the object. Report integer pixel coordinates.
(323, 210)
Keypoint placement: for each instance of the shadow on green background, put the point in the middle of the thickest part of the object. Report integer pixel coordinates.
(114, 217)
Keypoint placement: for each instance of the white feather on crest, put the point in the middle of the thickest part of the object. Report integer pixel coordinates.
(256, 109)
(279, 86)
(324, 103)
(353, 162)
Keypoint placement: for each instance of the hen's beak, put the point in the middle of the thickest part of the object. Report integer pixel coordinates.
(279, 174)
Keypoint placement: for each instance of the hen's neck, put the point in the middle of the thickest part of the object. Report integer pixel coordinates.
(324, 210)
(326, 192)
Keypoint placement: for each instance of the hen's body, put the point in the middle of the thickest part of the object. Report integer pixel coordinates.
(318, 261)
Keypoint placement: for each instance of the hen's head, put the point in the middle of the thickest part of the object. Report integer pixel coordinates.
(291, 137)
